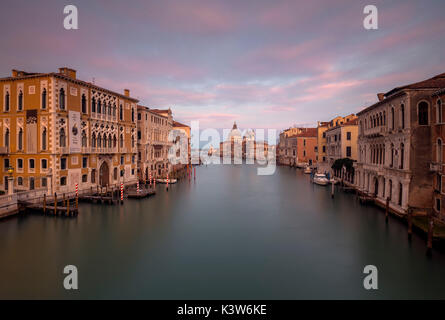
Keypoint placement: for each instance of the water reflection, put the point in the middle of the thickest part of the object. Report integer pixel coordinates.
(229, 234)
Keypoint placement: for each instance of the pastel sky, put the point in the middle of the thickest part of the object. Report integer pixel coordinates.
(262, 63)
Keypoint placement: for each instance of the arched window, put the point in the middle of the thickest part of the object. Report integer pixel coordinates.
(20, 140)
(423, 113)
(7, 138)
(384, 118)
(7, 101)
(402, 155)
(20, 102)
(99, 141)
(84, 104)
(121, 141)
(392, 155)
(44, 98)
(402, 115)
(121, 113)
(390, 189)
(439, 151)
(84, 139)
(93, 140)
(109, 109)
(400, 193)
(44, 138)
(93, 105)
(392, 118)
(132, 141)
(62, 99)
(99, 106)
(132, 114)
(114, 110)
(439, 112)
(62, 138)
(93, 176)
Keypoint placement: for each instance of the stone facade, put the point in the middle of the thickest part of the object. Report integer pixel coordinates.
(154, 126)
(395, 146)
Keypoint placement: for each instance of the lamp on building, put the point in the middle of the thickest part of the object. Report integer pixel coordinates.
(10, 171)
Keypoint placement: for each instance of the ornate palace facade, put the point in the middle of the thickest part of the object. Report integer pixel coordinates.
(57, 131)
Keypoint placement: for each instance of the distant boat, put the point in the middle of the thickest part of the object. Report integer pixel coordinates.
(170, 181)
(321, 179)
(307, 170)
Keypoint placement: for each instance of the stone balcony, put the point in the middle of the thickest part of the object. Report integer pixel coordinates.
(436, 167)
(376, 131)
(4, 150)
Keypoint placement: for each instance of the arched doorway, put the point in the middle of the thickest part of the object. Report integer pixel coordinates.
(104, 174)
(376, 187)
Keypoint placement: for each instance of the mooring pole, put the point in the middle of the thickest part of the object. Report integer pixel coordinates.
(332, 189)
(386, 209)
(410, 223)
(55, 203)
(44, 203)
(429, 244)
(68, 206)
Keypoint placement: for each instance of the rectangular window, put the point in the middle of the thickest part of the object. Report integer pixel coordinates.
(348, 151)
(84, 178)
(438, 204)
(44, 164)
(63, 164)
(122, 160)
(84, 162)
(6, 164)
(31, 164)
(44, 182)
(19, 164)
(348, 135)
(63, 181)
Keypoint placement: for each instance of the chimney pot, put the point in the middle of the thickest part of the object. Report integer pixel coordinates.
(127, 92)
(381, 96)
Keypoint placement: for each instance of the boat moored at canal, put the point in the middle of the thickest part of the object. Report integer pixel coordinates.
(321, 179)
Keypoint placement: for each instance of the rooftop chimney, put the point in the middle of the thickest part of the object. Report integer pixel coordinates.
(381, 96)
(126, 92)
(68, 72)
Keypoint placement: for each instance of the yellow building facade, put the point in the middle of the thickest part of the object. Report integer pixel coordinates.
(57, 131)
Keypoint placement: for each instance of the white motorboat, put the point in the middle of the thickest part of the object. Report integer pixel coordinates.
(307, 170)
(321, 179)
(170, 181)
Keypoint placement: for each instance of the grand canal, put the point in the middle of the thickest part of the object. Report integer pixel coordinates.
(231, 234)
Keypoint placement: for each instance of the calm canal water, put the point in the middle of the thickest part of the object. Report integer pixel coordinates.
(230, 235)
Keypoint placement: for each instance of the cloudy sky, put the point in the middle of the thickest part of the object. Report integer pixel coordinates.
(263, 63)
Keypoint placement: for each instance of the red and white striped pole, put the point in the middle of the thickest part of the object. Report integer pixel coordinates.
(77, 190)
(137, 187)
(167, 181)
(122, 192)
(150, 177)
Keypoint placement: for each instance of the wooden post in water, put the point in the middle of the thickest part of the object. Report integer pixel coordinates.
(332, 189)
(429, 245)
(44, 203)
(77, 201)
(55, 203)
(410, 223)
(386, 209)
(68, 206)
